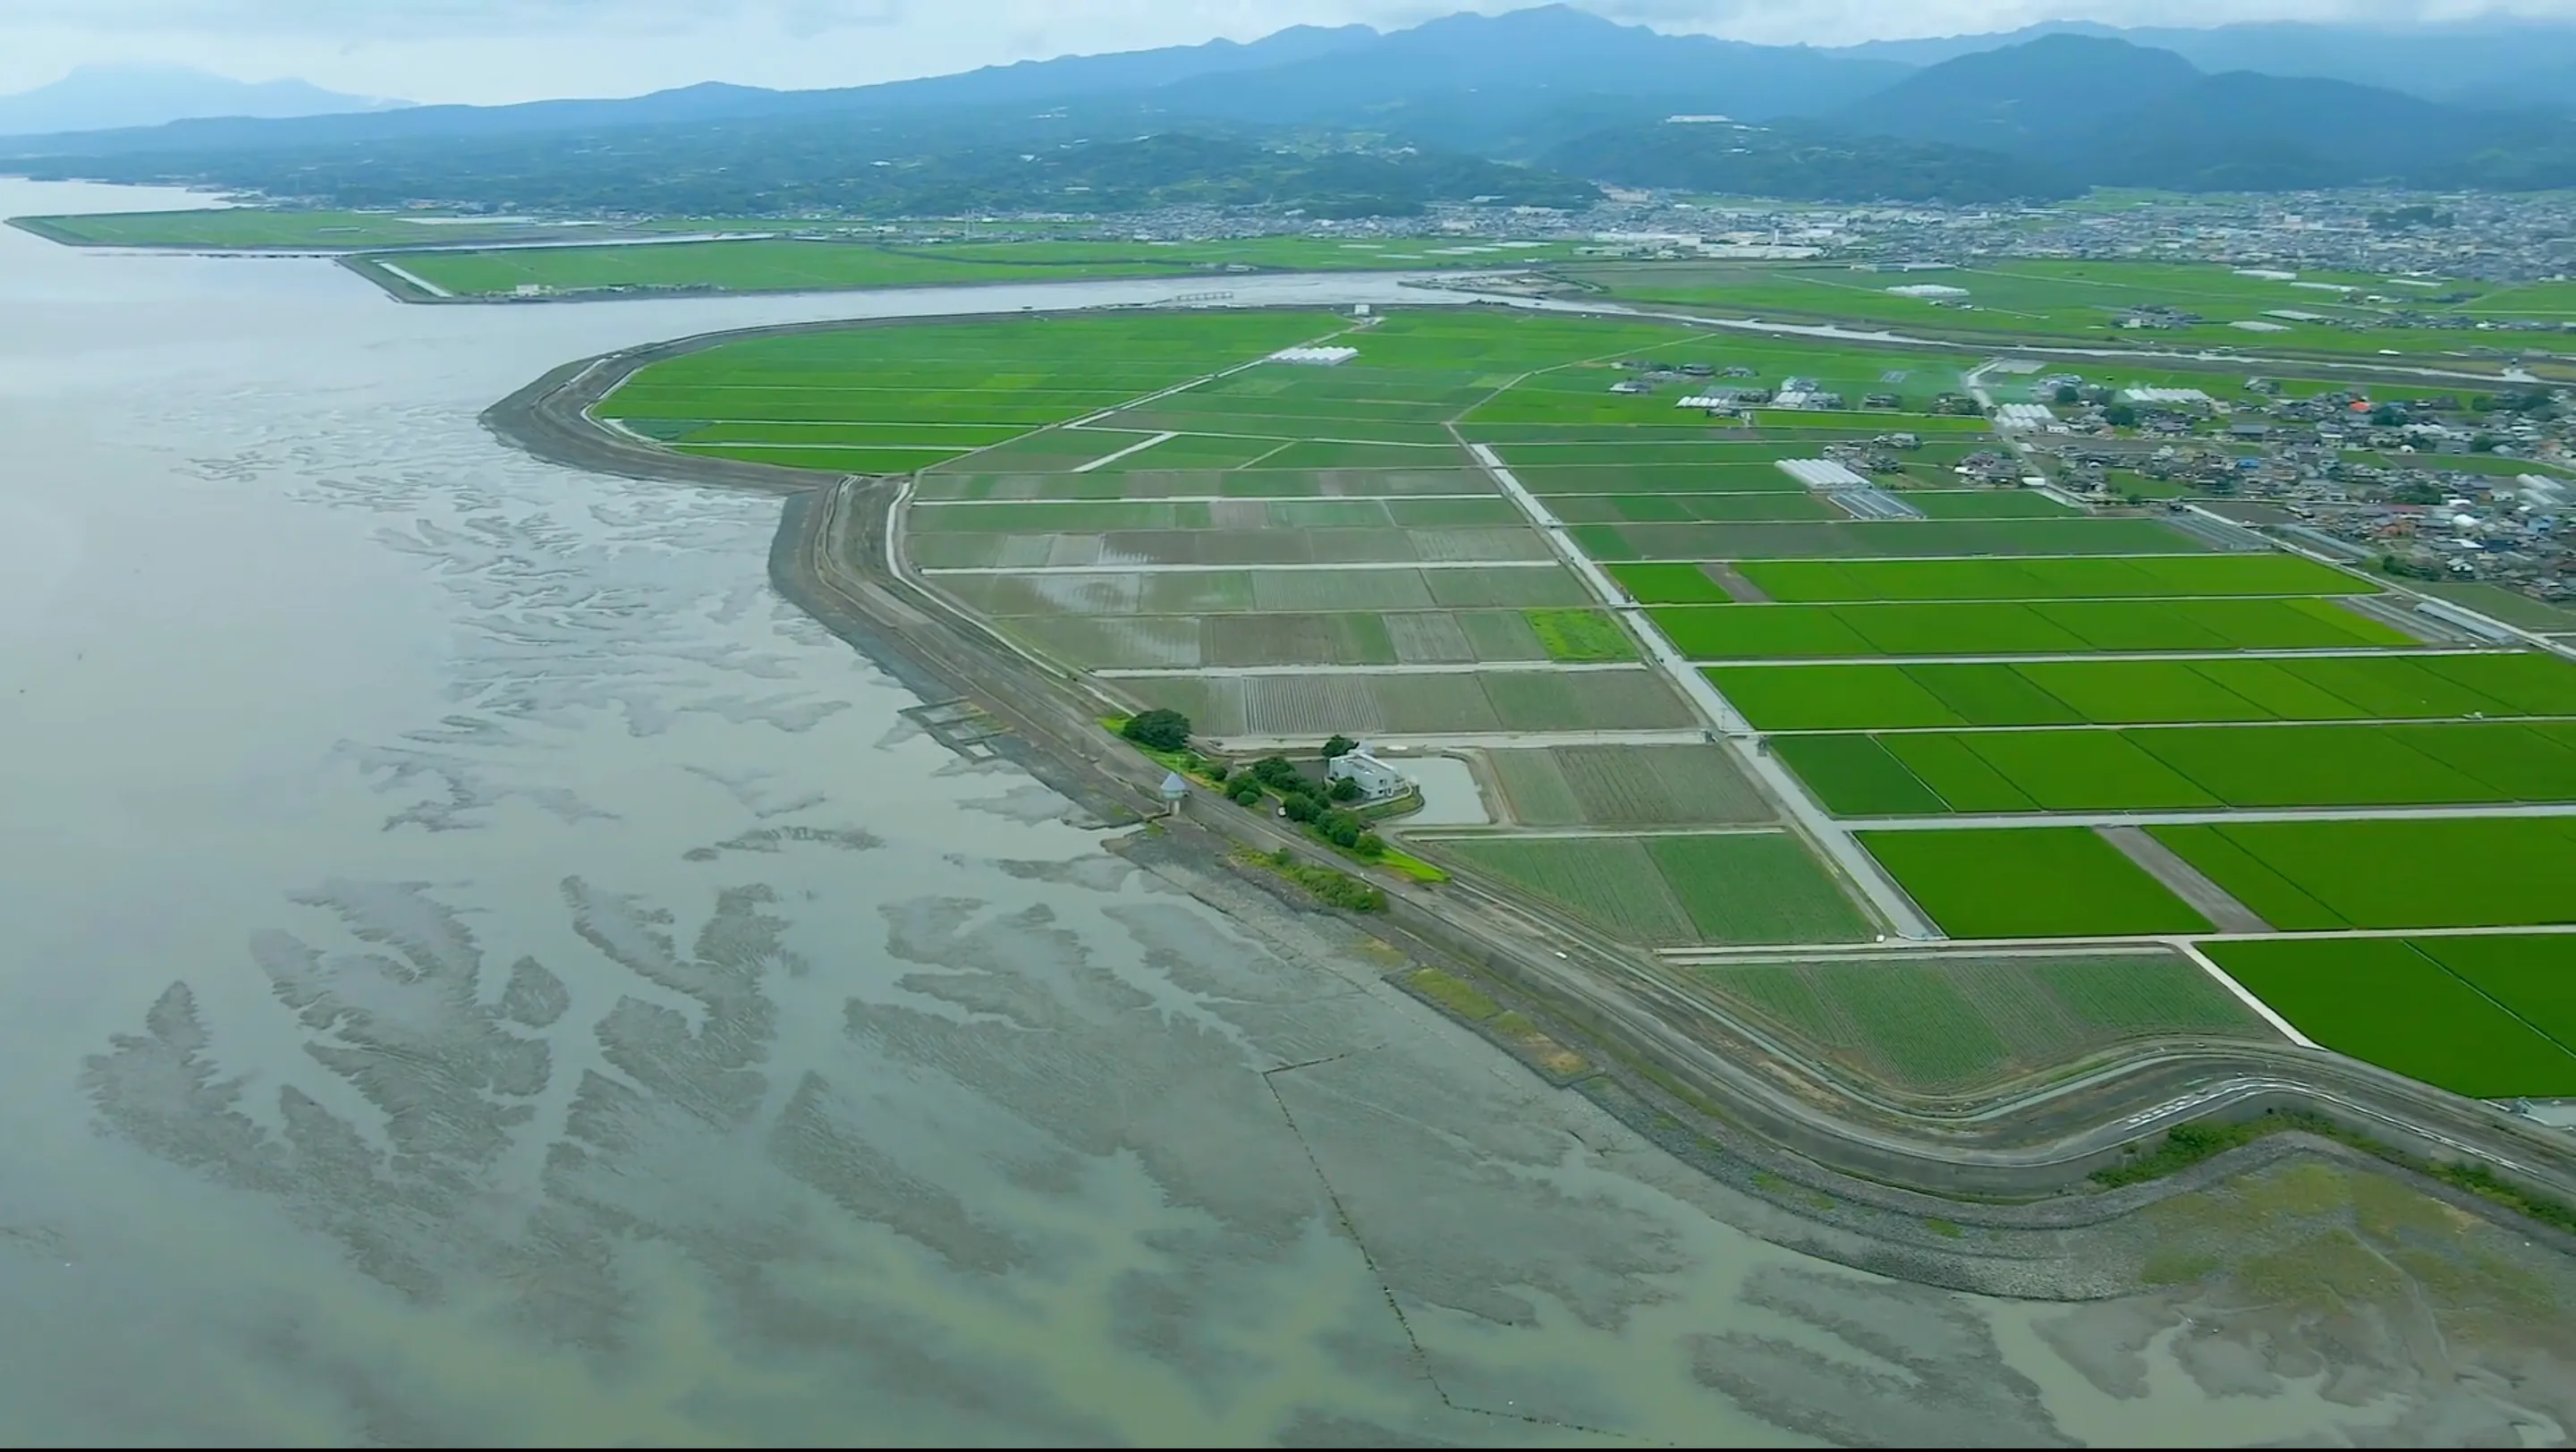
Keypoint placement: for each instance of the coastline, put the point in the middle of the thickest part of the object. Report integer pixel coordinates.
(1995, 1202)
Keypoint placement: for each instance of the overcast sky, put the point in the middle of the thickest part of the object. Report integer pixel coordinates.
(487, 51)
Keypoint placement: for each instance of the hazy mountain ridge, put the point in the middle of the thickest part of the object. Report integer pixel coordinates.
(100, 97)
(1552, 90)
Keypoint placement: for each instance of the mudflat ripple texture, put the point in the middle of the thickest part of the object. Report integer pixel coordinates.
(535, 986)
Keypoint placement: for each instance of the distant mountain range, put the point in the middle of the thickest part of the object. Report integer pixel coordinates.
(2498, 62)
(97, 98)
(1527, 107)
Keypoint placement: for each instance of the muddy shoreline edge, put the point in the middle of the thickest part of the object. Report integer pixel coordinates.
(2005, 1216)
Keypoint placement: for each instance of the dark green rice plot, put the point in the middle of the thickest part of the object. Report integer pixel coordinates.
(2526, 681)
(1854, 776)
(2518, 763)
(1993, 695)
(2272, 897)
(1758, 632)
(1669, 584)
(2084, 770)
(2267, 687)
(2533, 976)
(2310, 766)
(1963, 779)
(1986, 504)
(2393, 695)
(2036, 882)
(2139, 625)
(1966, 628)
(1829, 697)
(2441, 872)
(2115, 693)
(1755, 887)
(2378, 1000)
(2287, 624)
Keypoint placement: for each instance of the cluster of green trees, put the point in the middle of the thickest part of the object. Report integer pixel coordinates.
(1308, 802)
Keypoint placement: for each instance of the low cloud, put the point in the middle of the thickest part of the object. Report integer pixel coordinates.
(341, 20)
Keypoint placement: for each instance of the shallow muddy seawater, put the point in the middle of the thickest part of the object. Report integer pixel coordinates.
(480, 968)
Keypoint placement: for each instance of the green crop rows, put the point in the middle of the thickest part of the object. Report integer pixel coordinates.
(2189, 767)
(1949, 1026)
(1834, 582)
(2488, 1017)
(2035, 882)
(2447, 872)
(1970, 628)
(2138, 692)
(1737, 887)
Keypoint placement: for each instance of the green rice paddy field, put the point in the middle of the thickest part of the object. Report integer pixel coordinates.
(2071, 577)
(2122, 692)
(2187, 768)
(1612, 543)
(805, 264)
(2030, 882)
(1952, 1025)
(889, 399)
(2390, 873)
(1734, 887)
(1984, 628)
(2085, 300)
(2487, 1016)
